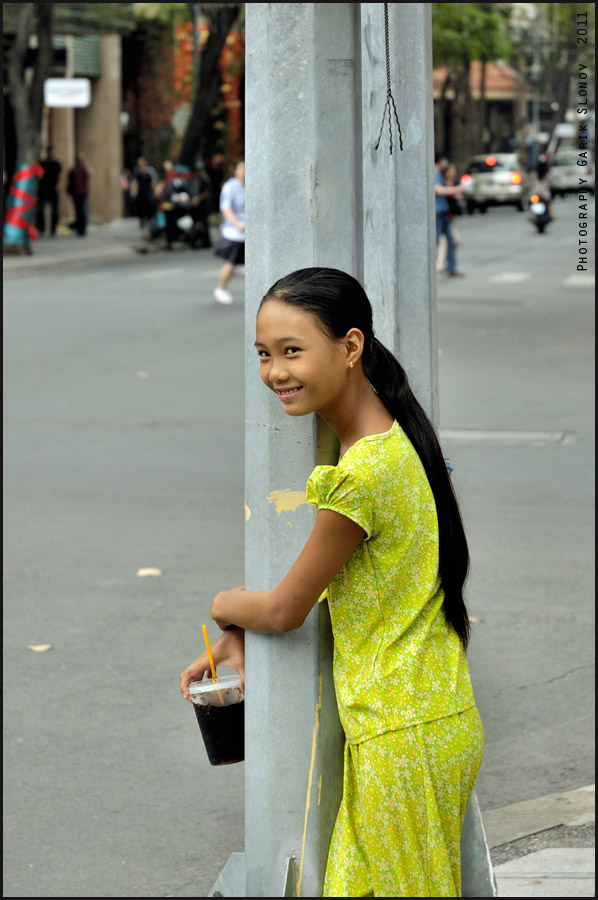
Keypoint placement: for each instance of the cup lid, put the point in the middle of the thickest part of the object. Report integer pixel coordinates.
(209, 685)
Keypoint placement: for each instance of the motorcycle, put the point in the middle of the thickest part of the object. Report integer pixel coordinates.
(186, 226)
(538, 212)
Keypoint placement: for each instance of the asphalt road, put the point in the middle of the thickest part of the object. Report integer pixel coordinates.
(124, 395)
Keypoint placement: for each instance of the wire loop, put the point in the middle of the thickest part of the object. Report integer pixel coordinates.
(389, 96)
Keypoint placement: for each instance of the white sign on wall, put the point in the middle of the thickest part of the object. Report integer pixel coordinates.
(67, 92)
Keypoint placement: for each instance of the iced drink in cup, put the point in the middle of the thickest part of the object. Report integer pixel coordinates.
(220, 710)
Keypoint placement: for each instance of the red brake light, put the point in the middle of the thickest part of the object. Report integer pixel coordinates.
(465, 179)
(490, 161)
(516, 178)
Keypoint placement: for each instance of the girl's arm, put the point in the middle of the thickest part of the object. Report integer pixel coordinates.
(330, 544)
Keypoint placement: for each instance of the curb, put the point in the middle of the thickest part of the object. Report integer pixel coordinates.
(30, 265)
(113, 241)
(532, 816)
(117, 241)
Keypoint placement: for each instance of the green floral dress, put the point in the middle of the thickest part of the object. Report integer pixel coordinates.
(414, 739)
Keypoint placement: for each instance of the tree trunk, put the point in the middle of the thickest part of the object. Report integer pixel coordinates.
(208, 85)
(462, 118)
(18, 89)
(27, 103)
(43, 68)
(442, 123)
(469, 144)
(482, 118)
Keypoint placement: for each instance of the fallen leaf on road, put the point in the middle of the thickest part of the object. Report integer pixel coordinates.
(142, 374)
(474, 620)
(143, 573)
(39, 648)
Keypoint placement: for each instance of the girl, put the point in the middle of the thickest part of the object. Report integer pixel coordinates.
(389, 549)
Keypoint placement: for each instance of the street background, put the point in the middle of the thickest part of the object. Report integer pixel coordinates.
(124, 425)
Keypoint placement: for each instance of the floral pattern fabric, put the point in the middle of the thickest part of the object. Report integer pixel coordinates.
(397, 661)
(405, 795)
(413, 735)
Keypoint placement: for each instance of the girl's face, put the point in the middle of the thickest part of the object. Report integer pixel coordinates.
(298, 361)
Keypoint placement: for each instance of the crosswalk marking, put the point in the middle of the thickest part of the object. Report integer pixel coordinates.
(509, 277)
(576, 279)
(495, 435)
(579, 279)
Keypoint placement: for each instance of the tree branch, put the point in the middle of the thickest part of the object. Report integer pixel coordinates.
(221, 19)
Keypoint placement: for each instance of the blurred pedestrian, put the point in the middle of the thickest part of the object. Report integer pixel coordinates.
(443, 212)
(231, 246)
(174, 202)
(142, 191)
(47, 192)
(451, 178)
(78, 187)
(167, 174)
(125, 186)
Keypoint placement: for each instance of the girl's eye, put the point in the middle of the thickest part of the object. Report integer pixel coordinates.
(290, 350)
(262, 354)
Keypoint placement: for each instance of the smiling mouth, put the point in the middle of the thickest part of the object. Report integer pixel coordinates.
(285, 393)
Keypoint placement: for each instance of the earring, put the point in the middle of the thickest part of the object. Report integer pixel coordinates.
(351, 364)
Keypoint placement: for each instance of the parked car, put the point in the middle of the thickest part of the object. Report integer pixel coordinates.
(495, 179)
(565, 173)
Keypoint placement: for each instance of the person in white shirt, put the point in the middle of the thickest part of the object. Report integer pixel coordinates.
(231, 246)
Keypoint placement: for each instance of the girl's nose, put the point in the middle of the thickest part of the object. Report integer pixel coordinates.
(278, 371)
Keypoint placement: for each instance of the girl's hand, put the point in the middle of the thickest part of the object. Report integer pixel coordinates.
(229, 650)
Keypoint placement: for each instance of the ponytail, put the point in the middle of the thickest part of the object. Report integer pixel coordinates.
(388, 378)
(340, 303)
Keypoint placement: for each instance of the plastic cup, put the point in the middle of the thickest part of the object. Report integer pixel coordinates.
(220, 710)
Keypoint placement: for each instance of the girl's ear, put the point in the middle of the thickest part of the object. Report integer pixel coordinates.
(354, 341)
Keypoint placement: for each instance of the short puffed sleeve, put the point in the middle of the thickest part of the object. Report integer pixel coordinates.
(341, 490)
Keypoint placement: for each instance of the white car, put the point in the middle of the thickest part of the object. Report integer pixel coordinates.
(565, 173)
(494, 179)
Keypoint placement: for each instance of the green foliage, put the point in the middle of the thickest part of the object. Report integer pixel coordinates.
(93, 18)
(80, 18)
(166, 13)
(462, 32)
(560, 22)
(173, 13)
(73, 18)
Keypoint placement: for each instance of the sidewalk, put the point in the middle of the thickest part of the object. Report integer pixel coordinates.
(544, 847)
(114, 241)
(539, 848)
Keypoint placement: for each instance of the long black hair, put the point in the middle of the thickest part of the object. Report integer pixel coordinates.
(340, 303)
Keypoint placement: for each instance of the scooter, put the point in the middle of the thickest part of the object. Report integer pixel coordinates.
(538, 213)
(190, 230)
(187, 227)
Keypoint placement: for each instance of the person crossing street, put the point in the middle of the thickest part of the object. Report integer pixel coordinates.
(231, 246)
(442, 193)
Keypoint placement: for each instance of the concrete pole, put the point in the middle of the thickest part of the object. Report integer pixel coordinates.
(304, 192)
(400, 231)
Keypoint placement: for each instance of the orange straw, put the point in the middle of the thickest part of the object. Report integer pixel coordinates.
(210, 657)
